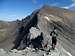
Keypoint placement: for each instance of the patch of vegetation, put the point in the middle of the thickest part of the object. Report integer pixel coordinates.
(3, 35)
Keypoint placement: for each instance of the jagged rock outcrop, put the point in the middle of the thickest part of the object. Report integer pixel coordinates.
(33, 52)
(46, 18)
(40, 23)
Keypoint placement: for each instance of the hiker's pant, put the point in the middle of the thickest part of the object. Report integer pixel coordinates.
(54, 40)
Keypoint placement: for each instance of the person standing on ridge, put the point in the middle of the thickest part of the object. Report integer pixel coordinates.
(54, 35)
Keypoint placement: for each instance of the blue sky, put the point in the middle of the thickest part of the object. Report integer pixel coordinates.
(18, 9)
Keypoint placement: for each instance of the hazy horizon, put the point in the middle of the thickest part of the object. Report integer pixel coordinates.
(11, 10)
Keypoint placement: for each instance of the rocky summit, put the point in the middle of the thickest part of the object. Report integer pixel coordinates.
(33, 33)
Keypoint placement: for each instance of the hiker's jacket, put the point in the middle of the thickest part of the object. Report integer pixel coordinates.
(54, 33)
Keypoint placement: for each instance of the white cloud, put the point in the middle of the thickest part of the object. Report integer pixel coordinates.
(34, 1)
(69, 6)
(54, 4)
(73, 0)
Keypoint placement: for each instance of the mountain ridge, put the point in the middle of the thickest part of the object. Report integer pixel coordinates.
(44, 19)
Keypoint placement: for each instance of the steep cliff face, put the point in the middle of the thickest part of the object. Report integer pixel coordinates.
(63, 20)
(43, 20)
(34, 30)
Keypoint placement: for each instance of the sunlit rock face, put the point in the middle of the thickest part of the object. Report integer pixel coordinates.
(30, 52)
(40, 24)
(44, 20)
(63, 20)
